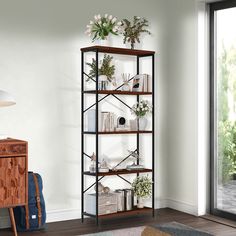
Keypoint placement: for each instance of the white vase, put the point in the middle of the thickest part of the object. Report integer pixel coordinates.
(104, 42)
(142, 123)
(140, 203)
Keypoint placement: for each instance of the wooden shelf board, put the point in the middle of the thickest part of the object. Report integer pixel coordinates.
(114, 50)
(121, 132)
(119, 92)
(135, 211)
(119, 172)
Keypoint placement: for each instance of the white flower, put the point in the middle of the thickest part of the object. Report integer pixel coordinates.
(91, 22)
(88, 31)
(100, 22)
(119, 23)
(99, 17)
(95, 17)
(113, 20)
(104, 24)
(88, 26)
(110, 17)
(106, 15)
(138, 17)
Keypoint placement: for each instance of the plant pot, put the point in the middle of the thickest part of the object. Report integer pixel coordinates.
(142, 123)
(140, 203)
(102, 82)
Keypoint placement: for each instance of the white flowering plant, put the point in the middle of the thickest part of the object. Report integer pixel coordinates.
(102, 26)
(142, 186)
(141, 109)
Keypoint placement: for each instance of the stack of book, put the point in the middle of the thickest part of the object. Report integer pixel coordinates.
(107, 122)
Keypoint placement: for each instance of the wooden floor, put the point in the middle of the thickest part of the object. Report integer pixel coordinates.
(76, 227)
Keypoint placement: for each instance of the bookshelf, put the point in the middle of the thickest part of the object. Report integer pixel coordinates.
(138, 54)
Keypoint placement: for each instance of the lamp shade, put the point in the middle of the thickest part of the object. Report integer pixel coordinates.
(6, 99)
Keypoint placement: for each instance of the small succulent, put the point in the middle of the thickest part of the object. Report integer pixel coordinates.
(133, 30)
(105, 69)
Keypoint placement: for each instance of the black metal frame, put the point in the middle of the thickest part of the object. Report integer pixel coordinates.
(213, 7)
(83, 132)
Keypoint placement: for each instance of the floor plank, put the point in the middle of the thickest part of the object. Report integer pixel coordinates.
(76, 227)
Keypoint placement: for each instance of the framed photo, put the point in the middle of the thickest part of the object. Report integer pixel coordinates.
(137, 83)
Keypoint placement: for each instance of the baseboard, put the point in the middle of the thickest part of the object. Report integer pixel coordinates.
(182, 206)
(52, 216)
(72, 214)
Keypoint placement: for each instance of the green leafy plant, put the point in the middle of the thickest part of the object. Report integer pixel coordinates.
(141, 109)
(106, 68)
(102, 26)
(142, 186)
(133, 30)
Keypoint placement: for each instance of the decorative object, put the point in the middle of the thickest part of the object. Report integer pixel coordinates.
(92, 167)
(6, 99)
(142, 187)
(121, 122)
(137, 83)
(142, 123)
(107, 121)
(105, 71)
(14, 175)
(133, 125)
(133, 30)
(107, 203)
(142, 108)
(136, 157)
(120, 199)
(125, 78)
(91, 117)
(102, 27)
(100, 188)
(103, 167)
(106, 190)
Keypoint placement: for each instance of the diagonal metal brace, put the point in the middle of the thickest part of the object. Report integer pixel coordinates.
(124, 179)
(89, 77)
(92, 185)
(106, 95)
(87, 155)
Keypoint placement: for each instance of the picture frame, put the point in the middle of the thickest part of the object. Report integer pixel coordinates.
(137, 83)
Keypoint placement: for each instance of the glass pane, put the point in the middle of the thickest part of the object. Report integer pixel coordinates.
(226, 109)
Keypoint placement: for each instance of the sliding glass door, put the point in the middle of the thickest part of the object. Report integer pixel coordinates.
(223, 108)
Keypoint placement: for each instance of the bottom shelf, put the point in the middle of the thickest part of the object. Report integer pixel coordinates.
(123, 213)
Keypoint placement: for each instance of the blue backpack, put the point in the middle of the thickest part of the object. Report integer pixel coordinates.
(32, 216)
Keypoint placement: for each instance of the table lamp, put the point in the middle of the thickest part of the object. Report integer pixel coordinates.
(6, 99)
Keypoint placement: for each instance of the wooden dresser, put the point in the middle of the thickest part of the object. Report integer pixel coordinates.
(13, 175)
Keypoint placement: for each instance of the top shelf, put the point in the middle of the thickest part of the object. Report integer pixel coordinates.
(122, 51)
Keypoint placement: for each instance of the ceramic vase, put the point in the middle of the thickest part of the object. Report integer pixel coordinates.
(140, 203)
(142, 123)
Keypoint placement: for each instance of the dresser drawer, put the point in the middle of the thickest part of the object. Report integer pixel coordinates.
(13, 180)
(12, 149)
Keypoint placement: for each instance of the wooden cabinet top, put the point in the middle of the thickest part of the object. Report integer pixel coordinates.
(11, 141)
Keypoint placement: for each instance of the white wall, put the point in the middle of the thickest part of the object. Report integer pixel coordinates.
(40, 45)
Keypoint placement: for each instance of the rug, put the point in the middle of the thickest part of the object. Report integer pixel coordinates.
(172, 229)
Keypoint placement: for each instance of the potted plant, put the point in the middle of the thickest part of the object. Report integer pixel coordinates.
(105, 71)
(141, 110)
(142, 187)
(102, 26)
(133, 30)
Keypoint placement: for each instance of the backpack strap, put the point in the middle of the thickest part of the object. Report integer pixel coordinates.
(37, 196)
(27, 217)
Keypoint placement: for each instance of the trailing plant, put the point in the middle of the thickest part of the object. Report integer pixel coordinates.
(142, 186)
(102, 26)
(133, 30)
(106, 68)
(141, 109)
